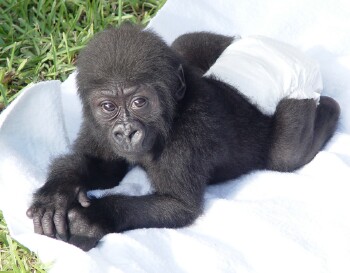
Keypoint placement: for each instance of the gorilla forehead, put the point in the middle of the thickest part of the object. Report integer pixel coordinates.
(127, 55)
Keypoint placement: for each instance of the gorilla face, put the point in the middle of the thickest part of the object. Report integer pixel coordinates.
(130, 118)
(129, 91)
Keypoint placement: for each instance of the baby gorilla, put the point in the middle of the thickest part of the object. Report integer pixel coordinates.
(146, 103)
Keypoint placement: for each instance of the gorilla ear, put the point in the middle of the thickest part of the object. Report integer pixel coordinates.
(180, 92)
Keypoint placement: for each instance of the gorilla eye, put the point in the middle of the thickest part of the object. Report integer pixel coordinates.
(108, 106)
(139, 102)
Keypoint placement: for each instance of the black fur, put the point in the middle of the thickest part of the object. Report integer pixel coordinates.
(147, 103)
(193, 46)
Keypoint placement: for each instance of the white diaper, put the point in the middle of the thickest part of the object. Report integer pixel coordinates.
(265, 71)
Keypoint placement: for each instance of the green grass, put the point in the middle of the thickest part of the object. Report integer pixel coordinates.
(15, 257)
(40, 40)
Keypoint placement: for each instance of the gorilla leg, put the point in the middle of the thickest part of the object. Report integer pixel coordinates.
(301, 129)
(201, 49)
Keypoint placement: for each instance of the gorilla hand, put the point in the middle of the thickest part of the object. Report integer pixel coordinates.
(49, 209)
(70, 177)
(88, 225)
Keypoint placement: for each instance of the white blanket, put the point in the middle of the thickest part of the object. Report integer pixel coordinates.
(262, 222)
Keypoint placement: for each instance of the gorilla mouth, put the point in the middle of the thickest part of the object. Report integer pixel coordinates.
(130, 148)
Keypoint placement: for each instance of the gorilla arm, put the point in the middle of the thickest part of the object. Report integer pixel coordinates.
(69, 178)
(177, 202)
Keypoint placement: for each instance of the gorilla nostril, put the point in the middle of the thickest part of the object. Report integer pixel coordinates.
(127, 134)
(118, 135)
(124, 136)
(132, 134)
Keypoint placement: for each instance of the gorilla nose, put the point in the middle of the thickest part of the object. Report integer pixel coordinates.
(126, 134)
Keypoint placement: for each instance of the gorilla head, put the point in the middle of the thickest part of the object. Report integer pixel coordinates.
(129, 90)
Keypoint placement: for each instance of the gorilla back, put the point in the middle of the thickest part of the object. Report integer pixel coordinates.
(147, 103)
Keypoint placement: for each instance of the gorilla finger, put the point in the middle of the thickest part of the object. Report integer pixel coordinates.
(60, 220)
(35, 209)
(83, 199)
(30, 212)
(47, 224)
(37, 223)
